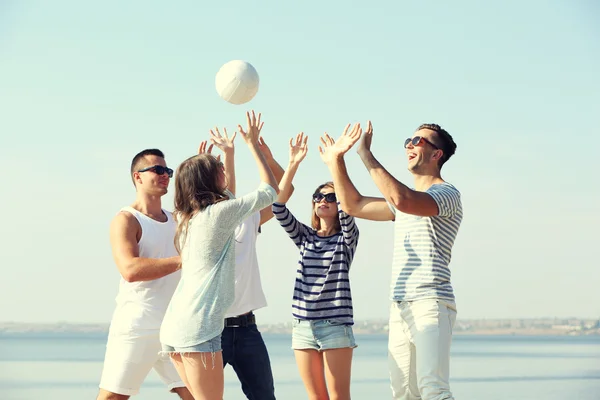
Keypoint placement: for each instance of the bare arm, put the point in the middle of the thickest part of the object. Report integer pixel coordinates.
(124, 232)
(267, 213)
(225, 144)
(298, 151)
(396, 193)
(351, 201)
(251, 138)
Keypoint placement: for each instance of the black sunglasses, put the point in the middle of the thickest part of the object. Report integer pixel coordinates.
(329, 197)
(417, 140)
(159, 170)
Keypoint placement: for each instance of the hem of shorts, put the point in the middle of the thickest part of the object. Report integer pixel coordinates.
(339, 347)
(304, 348)
(322, 349)
(169, 353)
(175, 385)
(119, 391)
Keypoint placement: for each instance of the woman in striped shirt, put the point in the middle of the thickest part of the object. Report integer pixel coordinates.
(322, 336)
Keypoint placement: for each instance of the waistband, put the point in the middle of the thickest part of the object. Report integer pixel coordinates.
(241, 321)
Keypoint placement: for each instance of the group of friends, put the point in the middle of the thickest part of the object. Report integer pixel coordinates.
(190, 279)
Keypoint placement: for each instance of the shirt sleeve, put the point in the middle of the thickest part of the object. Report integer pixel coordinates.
(233, 212)
(296, 230)
(349, 229)
(391, 206)
(447, 198)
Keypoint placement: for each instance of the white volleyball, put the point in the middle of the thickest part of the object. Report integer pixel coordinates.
(237, 82)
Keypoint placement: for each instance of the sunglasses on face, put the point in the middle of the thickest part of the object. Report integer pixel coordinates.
(417, 141)
(329, 197)
(159, 170)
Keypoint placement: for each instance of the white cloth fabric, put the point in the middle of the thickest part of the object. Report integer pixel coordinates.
(133, 341)
(205, 292)
(142, 305)
(249, 295)
(420, 334)
(128, 360)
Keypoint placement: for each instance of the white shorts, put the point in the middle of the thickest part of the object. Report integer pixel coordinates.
(128, 360)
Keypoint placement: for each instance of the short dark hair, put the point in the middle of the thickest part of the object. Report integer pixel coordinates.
(444, 141)
(137, 160)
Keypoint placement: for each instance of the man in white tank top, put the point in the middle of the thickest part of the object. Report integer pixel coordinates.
(142, 241)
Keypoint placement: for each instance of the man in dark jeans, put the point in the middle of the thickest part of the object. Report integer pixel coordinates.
(242, 343)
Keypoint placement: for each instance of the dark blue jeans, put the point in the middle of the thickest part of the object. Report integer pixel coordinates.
(245, 350)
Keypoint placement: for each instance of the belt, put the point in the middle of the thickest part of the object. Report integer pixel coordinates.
(241, 321)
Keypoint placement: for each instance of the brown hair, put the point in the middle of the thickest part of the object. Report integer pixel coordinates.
(315, 220)
(196, 187)
(444, 142)
(139, 158)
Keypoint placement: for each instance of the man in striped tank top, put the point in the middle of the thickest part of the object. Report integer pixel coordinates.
(427, 218)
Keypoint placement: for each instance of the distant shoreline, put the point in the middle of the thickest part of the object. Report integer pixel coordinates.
(497, 327)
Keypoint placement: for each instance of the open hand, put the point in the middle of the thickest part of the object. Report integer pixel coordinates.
(253, 128)
(202, 149)
(365, 143)
(264, 148)
(331, 149)
(224, 143)
(298, 149)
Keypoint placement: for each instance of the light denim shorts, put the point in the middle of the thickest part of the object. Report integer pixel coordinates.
(210, 346)
(321, 335)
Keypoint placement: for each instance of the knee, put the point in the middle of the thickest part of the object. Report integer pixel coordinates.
(316, 396)
(103, 395)
(339, 396)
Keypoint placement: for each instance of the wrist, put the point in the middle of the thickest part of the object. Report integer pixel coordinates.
(365, 154)
(335, 158)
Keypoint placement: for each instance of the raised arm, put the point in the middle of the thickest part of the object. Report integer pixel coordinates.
(298, 150)
(267, 213)
(225, 144)
(351, 201)
(396, 193)
(251, 138)
(124, 232)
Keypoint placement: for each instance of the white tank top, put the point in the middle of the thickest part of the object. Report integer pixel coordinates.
(142, 305)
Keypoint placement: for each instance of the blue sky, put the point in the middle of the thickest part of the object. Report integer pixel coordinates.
(83, 87)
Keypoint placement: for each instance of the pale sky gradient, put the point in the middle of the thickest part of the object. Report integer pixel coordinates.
(86, 85)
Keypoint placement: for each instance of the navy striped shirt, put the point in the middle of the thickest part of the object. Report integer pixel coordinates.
(423, 248)
(322, 288)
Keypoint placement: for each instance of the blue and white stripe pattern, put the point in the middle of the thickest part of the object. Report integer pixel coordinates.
(322, 288)
(423, 248)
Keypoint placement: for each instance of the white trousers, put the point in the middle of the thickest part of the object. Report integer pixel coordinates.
(420, 333)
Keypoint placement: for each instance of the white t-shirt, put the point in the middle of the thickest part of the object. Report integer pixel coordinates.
(249, 294)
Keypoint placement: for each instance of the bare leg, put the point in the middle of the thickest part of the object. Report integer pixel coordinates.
(338, 368)
(184, 393)
(106, 395)
(310, 365)
(204, 374)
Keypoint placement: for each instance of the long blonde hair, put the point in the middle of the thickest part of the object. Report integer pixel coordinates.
(196, 187)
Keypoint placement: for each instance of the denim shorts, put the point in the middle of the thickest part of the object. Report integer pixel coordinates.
(321, 335)
(210, 346)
